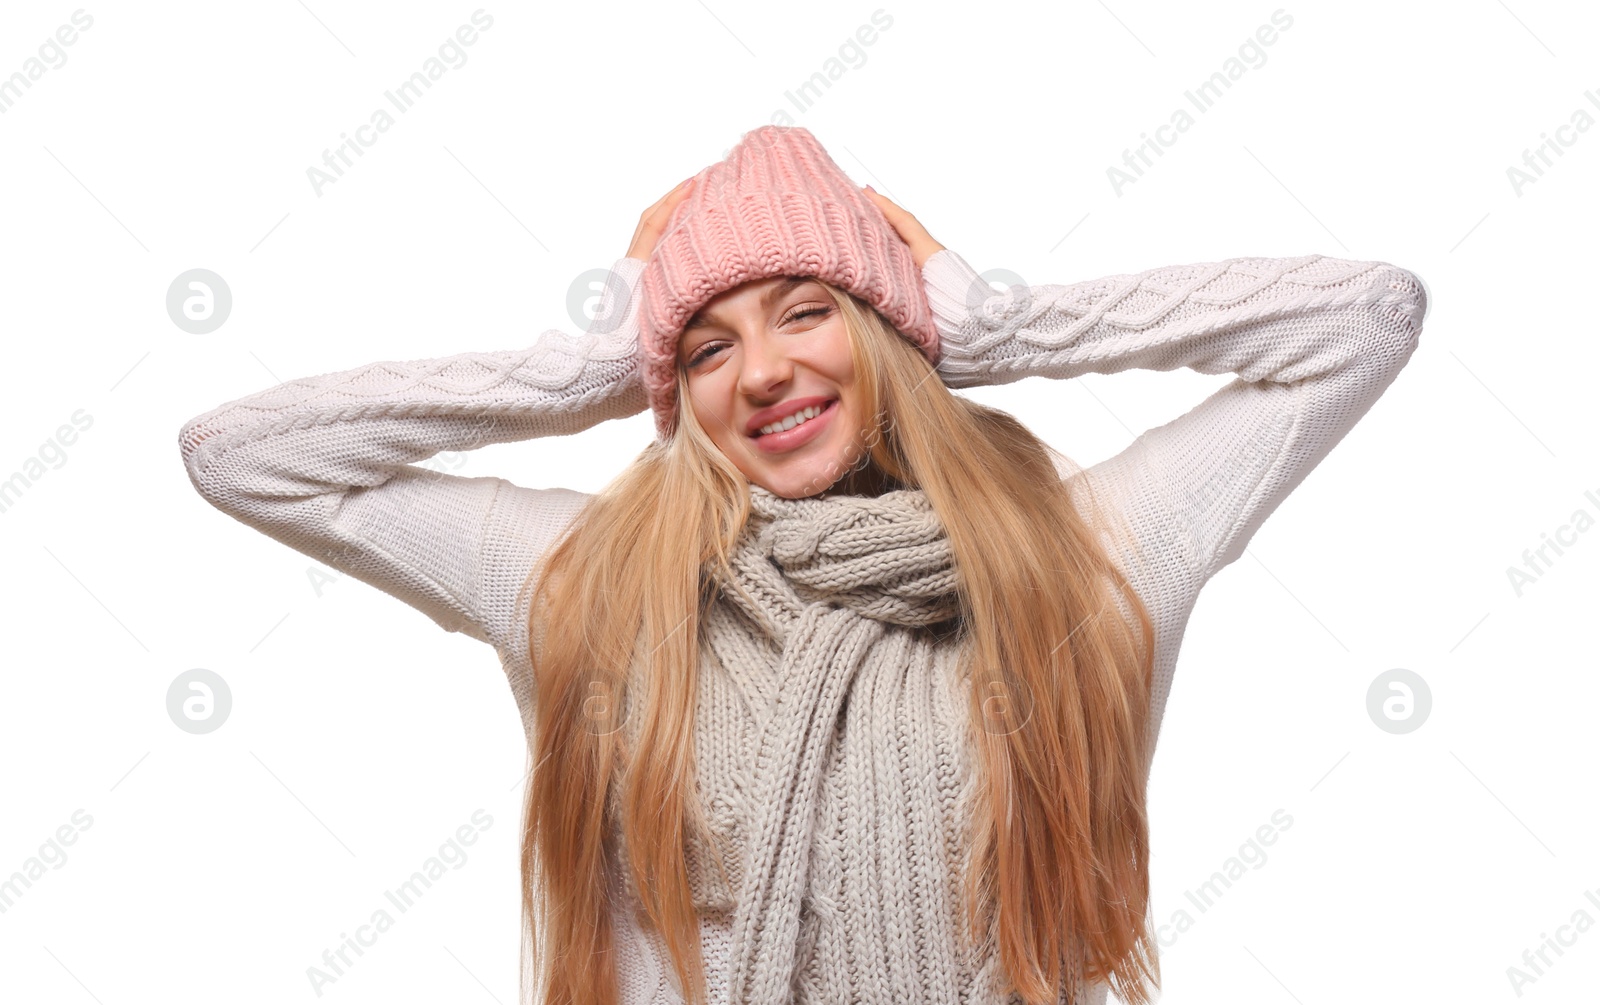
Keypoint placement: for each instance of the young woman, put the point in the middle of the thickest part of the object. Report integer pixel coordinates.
(846, 689)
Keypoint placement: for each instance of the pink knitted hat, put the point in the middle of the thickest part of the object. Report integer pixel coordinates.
(778, 206)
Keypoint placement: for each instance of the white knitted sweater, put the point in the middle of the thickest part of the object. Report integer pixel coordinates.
(327, 464)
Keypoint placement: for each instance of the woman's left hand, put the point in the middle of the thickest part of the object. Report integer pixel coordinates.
(910, 230)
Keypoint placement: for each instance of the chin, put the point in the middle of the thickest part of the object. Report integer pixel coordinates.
(803, 479)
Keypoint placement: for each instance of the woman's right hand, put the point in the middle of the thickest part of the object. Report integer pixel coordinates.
(653, 221)
(910, 229)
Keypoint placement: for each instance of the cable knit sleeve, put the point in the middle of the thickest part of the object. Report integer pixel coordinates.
(327, 464)
(1314, 342)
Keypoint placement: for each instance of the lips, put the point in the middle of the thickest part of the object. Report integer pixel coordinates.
(779, 412)
(797, 436)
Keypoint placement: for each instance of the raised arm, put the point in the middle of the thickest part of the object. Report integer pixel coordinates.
(327, 464)
(1314, 342)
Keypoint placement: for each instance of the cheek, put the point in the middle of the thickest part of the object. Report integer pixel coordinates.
(830, 356)
(711, 401)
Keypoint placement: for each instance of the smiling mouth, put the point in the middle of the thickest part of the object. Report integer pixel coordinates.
(795, 420)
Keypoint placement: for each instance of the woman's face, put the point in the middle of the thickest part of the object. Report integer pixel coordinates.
(758, 354)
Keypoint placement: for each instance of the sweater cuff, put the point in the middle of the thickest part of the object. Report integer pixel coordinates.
(619, 308)
(614, 330)
(615, 325)
(951, 286)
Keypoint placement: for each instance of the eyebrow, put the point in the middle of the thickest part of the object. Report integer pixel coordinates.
(778, 290)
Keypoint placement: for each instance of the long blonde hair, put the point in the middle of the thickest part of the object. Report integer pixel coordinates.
(1050, 626)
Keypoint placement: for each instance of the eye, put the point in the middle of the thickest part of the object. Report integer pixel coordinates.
(703, 353)
(804, 314)
(706, 351)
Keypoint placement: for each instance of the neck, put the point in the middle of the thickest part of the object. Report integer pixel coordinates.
(866, 480)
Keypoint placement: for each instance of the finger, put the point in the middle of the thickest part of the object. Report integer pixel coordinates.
(648, 210)
(903, 222)
(906, 225)
(884, 202)
(656, 217)
(674, 200)
(677, 192)
(654, 207)
(653, 221)
(653, 226)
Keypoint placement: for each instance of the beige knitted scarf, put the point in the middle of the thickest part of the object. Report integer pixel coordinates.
(844, 789)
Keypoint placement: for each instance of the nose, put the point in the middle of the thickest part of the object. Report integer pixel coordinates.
(765, 365)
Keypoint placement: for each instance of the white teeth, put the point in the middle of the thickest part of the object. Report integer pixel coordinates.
(804, 415)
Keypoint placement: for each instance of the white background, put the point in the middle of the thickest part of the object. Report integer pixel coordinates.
(1418, 867)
